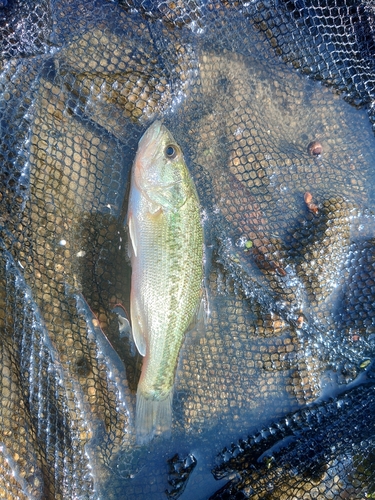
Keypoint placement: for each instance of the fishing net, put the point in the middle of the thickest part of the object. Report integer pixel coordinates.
(272, 103)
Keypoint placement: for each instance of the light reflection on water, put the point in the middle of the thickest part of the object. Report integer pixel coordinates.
(246, 113)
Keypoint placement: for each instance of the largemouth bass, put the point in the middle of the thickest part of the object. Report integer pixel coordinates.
(166, 252)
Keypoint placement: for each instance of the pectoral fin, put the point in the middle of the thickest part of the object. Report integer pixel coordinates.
(138, 327)
(132, 236)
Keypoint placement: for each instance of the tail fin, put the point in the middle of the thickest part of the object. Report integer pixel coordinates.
(153, 417)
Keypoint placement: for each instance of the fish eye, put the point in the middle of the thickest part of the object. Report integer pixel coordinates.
(170, 151)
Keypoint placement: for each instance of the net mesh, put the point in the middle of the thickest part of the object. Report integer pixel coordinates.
(272, 103)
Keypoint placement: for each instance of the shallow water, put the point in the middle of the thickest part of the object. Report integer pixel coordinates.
(244, 121)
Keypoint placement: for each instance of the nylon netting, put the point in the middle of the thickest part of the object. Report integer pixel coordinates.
(272, 103)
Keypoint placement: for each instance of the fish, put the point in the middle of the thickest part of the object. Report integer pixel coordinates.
(166, 254)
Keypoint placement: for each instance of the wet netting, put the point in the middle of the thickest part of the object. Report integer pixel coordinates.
(272, 104)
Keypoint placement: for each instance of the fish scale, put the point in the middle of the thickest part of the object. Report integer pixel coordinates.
(167, 300)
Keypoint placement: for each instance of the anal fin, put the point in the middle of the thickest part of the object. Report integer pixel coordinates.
(125, 329)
